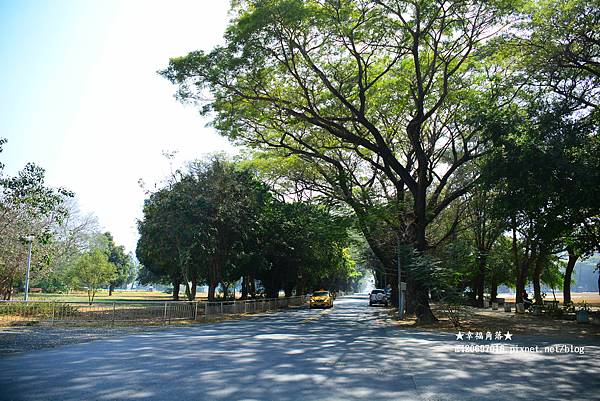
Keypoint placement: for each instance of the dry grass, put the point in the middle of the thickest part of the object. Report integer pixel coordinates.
(102, 295)
(483, 320)
(592, 298)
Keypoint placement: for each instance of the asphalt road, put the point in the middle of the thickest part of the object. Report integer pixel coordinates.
(350, 352)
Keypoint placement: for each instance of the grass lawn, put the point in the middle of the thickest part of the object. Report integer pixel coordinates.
(592, 298)
(102, 295)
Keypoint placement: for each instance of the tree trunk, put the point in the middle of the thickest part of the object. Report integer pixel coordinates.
(379, 279)
(477, 289)
(300, 290)
(252, 287)
(288, 287)
(421, 295)
(537, 287)
(522, 279)
(523, 273)
(473, 292)
(214, 277)
(6, 294)
(520, 284)
(225, 290)
(244, 287)
(194, 289)
(493, 288)
(271, 292)
(188, 293)
(176, 282)
(110, 290)
(520, 287)
(422, 309)
(480, 279)
(411, 305)
(393, 281)
(568, 273)
(212, 286)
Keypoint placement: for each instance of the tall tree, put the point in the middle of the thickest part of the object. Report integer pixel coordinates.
(557, 52)
(124, 267)
(485, 229)
(71, 237)
(27, 207)
(218, 223)
(560, 49)
(200, 223)
(361, 90)
(91, 271)
(155, 249)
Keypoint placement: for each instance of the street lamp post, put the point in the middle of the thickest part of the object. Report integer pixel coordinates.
(29, 239)
(400, 286)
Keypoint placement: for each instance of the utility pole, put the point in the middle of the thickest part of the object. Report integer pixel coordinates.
(29, 239)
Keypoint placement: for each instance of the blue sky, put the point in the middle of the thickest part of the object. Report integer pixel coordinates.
(79, 95)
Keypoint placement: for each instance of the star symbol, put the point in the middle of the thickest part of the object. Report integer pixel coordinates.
(508, 336)
(459, 336)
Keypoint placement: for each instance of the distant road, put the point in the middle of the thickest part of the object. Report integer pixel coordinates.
(350, 352)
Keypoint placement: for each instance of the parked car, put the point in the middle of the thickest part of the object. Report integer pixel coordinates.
(321, 299)
(378, 297)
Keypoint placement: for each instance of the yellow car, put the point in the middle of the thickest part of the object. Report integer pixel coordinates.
(321, 299)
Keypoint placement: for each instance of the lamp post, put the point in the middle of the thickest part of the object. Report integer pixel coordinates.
(28, 239)
(401, 285)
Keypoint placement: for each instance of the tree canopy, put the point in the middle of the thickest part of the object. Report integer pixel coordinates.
(218, 224)
(383, 99)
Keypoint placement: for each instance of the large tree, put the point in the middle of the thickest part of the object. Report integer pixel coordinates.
(123, 263)
(27, 207)
(554, 207)
(155, 249)
(71, 236)
(559, 46)
(92, 270)
(218, 223)
(303, 247)
(368, 93)
(545, 178)
(196, 227)
(483, 229)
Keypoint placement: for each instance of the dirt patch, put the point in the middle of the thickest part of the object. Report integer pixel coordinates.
(483, 320)
(17, 339)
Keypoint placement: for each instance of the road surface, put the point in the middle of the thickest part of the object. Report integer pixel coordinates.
(350, 352)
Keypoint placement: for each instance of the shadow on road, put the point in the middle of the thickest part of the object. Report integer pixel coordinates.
(348, 353)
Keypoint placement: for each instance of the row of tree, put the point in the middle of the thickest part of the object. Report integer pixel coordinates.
(217, 224)
(436, 124)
